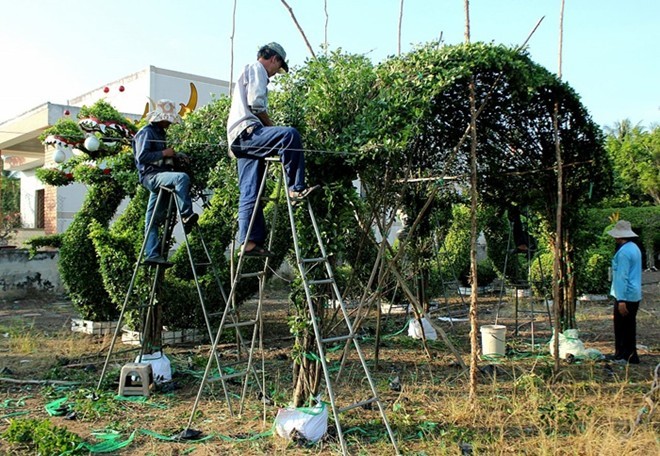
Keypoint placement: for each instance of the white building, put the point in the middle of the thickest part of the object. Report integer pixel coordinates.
(51, 209)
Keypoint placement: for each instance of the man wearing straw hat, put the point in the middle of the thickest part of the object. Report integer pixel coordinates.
(627, 292)
(155, 164)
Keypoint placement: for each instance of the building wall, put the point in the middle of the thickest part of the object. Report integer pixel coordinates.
(22, 276)
(29, 186)
(131, 100)
(69, 201)
(50, 203)
(154, 84)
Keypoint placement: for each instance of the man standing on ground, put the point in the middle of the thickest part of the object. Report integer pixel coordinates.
(252, 137)
(627, 291)
(155, 164)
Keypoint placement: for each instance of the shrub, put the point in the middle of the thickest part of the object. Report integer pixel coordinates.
(592, 276)
(78, 262)
(57, 176)
(64, 131)
(43, 437)
(540, 273)
(486, 272)
(9, 225)
(455, 252)
(51, 240)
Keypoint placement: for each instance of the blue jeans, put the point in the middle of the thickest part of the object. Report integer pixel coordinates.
(250, 150)
(180, 182)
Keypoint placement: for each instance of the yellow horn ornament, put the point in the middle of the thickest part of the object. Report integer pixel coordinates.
(192, 102)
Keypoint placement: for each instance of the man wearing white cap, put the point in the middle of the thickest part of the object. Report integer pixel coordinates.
(252, 137)
(155, 164)
(627, 291)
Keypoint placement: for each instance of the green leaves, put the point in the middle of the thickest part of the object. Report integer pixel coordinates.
(635, 155)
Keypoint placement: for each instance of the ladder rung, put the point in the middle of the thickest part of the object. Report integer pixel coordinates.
(321, 281)
(240, 324)
(227, 377)
(203, 264)
(337, 338)
(248, 275)
(314, 260)
(358, 404)
(267, 199)
(240, 362)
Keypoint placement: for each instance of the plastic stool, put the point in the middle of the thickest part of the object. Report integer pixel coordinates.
(135, 379)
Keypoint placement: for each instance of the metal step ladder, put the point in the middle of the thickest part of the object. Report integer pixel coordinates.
(150, 310)
(312, 284)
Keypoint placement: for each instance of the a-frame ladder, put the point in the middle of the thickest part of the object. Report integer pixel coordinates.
(305, 266)
(150, 318)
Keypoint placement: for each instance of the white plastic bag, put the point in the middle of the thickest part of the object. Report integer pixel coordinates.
(310, 422)
(160, 366)
(415, 330)
(569, 344)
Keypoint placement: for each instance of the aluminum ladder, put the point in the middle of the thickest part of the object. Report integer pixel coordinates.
(310, 285)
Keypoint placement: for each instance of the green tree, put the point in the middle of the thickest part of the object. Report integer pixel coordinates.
(635, 154)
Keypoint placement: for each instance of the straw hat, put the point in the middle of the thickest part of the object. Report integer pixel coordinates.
(164, 111)
(622, 230)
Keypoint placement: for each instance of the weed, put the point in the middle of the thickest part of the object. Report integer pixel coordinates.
(558, 416)
(42, 437)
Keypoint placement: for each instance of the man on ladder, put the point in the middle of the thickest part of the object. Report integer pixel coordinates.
(155, 162)
(252, 137)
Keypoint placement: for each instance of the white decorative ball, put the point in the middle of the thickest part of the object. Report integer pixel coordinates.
(59, 156)
(92, 143)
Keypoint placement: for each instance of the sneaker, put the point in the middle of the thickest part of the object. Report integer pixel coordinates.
(190, 222)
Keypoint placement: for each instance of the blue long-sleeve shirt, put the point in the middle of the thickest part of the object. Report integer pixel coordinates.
(148, 146)
(627, 273)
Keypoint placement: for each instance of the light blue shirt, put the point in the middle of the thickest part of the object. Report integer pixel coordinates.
(250, 97)
(627, 273)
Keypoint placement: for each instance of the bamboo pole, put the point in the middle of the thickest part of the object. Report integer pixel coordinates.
(557, 282)
(325, 28)
(231, 50)
(474, 198)
(295, 21)
(400, 23)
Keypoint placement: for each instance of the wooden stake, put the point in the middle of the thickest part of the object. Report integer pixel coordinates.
(295, 21)
(557, 281)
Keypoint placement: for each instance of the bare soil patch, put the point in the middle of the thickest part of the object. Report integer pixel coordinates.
(521, 408)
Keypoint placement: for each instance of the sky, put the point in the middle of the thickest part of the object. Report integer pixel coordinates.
(55, 50)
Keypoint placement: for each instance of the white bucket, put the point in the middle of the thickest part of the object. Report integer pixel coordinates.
(493, 340)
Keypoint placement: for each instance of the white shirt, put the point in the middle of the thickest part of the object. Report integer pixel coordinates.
(250, 97)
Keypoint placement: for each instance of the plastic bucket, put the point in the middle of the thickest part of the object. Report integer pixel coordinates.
(493, 339)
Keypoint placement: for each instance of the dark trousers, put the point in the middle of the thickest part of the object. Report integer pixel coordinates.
(250, 150)
(625, 333)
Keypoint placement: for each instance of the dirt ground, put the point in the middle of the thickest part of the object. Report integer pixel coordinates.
(36, 344)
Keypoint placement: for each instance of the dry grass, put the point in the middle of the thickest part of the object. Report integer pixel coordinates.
(522, 407)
